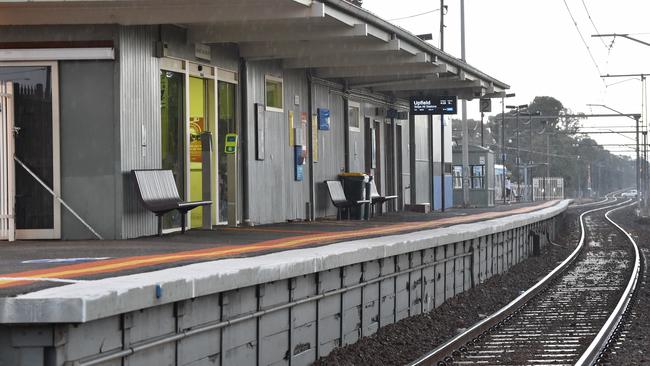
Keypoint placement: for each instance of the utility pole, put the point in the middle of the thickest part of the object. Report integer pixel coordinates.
(503, 143)
(548, 165)
(636, 118)
(442, 117)
(442, 25)
(465, 147)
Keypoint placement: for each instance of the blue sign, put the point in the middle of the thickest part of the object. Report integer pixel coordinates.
(323, 119)
(433, 105)
(298, 161)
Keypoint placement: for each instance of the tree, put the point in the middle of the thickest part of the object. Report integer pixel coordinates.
(575, 157)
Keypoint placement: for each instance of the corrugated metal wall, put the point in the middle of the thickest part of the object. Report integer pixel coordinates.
(331, 154)
(139, 111)
(406, 167)
(275, 195)
(357, 142)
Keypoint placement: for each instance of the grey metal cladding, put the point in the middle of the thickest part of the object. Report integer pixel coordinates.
(139, 98)
(275, 196)
(331, 155)
(88, 147)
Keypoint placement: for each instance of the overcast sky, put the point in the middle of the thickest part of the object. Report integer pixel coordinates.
(533, 46)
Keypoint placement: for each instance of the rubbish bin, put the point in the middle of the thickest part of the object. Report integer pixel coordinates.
(354, 186)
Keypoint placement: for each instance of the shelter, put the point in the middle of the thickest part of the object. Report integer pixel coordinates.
(482, 182)
(310, 88)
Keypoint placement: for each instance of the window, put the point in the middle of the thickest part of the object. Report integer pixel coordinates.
(274, 93)
(458, 176)
(478, 176)
(354, 116)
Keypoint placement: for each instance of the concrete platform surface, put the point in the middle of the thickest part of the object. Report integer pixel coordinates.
(28, 266)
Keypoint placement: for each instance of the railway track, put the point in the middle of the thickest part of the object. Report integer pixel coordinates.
(574, 315)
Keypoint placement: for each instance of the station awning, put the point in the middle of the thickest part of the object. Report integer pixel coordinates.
(335, 39)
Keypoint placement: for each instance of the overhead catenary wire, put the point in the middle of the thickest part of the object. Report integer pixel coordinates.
(414, 15)
(594, 25)
(583, 39)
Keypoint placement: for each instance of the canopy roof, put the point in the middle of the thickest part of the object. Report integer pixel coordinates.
(335, 39)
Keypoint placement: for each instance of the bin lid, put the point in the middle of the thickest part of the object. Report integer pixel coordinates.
(352, 174)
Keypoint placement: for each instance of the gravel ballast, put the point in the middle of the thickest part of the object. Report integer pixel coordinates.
(635, 344)
(409, 339)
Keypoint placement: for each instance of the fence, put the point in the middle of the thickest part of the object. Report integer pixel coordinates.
(550, 188)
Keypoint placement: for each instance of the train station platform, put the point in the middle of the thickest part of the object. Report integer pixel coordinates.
(28, 266)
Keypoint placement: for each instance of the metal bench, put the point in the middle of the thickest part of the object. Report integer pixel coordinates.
(376, 198)
(339, 200)
(159, 195)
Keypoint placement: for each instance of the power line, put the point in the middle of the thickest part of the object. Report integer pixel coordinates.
(595, 28)
(415, 15)
(583, 39)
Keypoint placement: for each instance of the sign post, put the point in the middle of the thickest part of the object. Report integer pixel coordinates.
(437, 105)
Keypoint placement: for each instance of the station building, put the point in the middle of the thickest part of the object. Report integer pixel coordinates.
(92, 90)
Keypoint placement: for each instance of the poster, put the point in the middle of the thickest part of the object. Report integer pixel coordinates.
(303, 125)
(196, 127)
(291, 128)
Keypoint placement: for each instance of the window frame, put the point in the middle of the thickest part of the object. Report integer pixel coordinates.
(358, 107)
(275, 79)
(479, 178)
(457, 178)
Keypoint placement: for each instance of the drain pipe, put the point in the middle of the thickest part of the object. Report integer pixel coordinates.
(346, 126)
(310, 146)
(243, 82)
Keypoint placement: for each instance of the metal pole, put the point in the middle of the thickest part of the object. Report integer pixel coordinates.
(579, 180)
(442, 162)
(503, 149)
(645, 168)
(548, 165)
(442, 25)
(482, 138)
(517, 162)
(47, 188)
(465, 141)
(530, 156)
(638, 178)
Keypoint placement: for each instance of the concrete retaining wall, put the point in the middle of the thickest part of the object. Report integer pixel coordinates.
(284, 308)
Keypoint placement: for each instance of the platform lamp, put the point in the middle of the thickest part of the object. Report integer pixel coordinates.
(518, 109)
(503, 144)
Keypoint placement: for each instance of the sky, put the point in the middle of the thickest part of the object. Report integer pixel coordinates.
(534, 46)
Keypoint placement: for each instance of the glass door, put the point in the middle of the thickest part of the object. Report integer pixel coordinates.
(202, 112)
(226, 125)
(7, 222)
(172, 117)
(36, 144)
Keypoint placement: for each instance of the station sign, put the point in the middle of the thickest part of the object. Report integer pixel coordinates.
(433, 105)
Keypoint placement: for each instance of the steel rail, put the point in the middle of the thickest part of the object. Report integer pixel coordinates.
(608, 196)
(453, 348)
(601, 343)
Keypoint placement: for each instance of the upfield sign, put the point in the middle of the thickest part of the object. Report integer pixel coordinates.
(433, 105)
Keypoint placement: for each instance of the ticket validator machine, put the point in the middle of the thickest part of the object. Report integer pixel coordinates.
(230, 149)
(206, 178)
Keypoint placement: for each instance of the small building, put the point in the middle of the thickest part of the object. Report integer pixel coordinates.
(482, 184)
(310, 89)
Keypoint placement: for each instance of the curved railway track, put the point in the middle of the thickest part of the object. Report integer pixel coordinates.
(572, 316)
